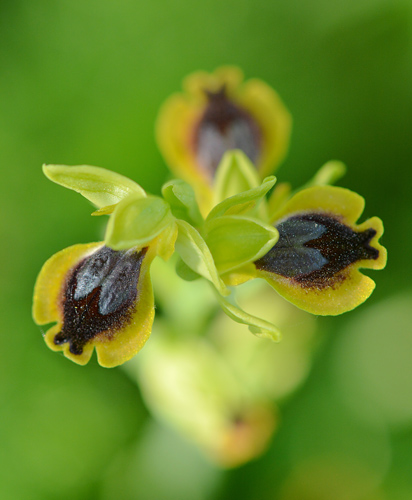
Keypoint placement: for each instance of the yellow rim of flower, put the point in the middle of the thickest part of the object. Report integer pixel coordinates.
(351, 287)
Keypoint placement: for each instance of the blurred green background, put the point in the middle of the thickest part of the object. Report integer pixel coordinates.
(81, 83)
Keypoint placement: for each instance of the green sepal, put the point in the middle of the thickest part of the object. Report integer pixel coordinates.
(235, 174)
(185, 272)
(259, 327)
(195, 253)
(237, 240)
(181, 198)
(107, 210)
(328, 174)
(165, 242)
(100, 186)
(242, 202)
(136, 221)
(278, 198)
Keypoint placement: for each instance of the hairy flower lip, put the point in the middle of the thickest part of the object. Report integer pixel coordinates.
(328, 247)
(222, 126)
(88, 314)
(316, 262)
(98, 296)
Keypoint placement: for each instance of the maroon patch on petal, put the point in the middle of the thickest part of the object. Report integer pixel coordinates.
(222, 127)
(99, 296)
(313, 248)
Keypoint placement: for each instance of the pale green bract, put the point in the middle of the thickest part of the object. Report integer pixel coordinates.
(244, 201)
(234, 175)
(100, 186)
(181, 198)
(257, 326)
(137, 221)
(195, 253)
(237, 240)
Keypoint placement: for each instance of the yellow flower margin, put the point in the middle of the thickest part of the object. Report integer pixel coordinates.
(180, 114)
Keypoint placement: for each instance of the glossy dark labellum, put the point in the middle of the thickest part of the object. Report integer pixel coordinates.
(222, 127)
(99, 296)
(313, 248)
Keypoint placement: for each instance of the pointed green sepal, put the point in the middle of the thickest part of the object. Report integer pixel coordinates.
(136, 221)
(328, 174)
(181, 198)
(100, 186)
(278, 198)
(195, 253)
(165, 242)
(259, 327)
(237, 240)
(107, 210)
(185, 272)
(235, 174)
(242, 202)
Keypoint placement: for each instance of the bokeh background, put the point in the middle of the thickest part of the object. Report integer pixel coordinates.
(81, 83)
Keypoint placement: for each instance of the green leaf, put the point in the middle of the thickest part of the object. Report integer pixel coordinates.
(136, 221)
(240, 203)
(236, 240)
(259, 327)
(100, 186)
(235, 174)
(181, 197)
(195, 254)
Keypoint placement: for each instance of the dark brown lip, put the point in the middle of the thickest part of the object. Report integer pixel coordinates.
(314, 248)
(224, 126)
(99, 296)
